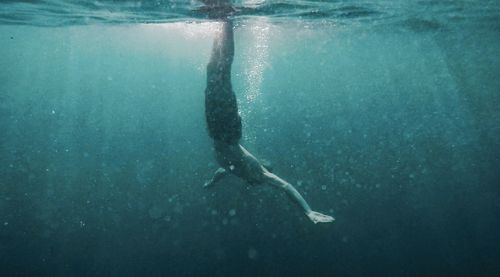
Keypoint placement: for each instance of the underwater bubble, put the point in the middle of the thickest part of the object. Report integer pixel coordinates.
(155, 212)
(46, 234)
(252, 253)
(232, 212)
(323, 187)
(178, 208)
(220, 254)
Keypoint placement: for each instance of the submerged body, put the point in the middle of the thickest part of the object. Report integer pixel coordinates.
(224, 126)
(240, 162)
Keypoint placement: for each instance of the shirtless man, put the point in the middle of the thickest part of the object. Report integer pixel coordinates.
(224, 122)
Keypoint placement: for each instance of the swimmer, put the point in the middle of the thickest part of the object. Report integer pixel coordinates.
(224, 122)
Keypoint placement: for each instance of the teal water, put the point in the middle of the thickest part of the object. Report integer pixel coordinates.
(385, 114)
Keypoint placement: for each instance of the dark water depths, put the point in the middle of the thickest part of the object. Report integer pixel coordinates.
(385, 114)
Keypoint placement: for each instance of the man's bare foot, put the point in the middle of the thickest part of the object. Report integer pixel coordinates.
(217, 9)
(216, 3)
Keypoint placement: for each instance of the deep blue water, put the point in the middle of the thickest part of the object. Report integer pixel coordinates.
(385, 114)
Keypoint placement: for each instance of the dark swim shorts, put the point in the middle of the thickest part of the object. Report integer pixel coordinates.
(221, 111)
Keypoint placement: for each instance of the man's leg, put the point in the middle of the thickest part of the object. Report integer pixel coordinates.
(221, 107)
(219, 173)
(296, 198)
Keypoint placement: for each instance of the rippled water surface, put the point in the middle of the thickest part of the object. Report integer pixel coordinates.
(428, 13)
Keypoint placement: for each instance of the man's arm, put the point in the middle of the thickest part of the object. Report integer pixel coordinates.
(296, 198)
(219, 174)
